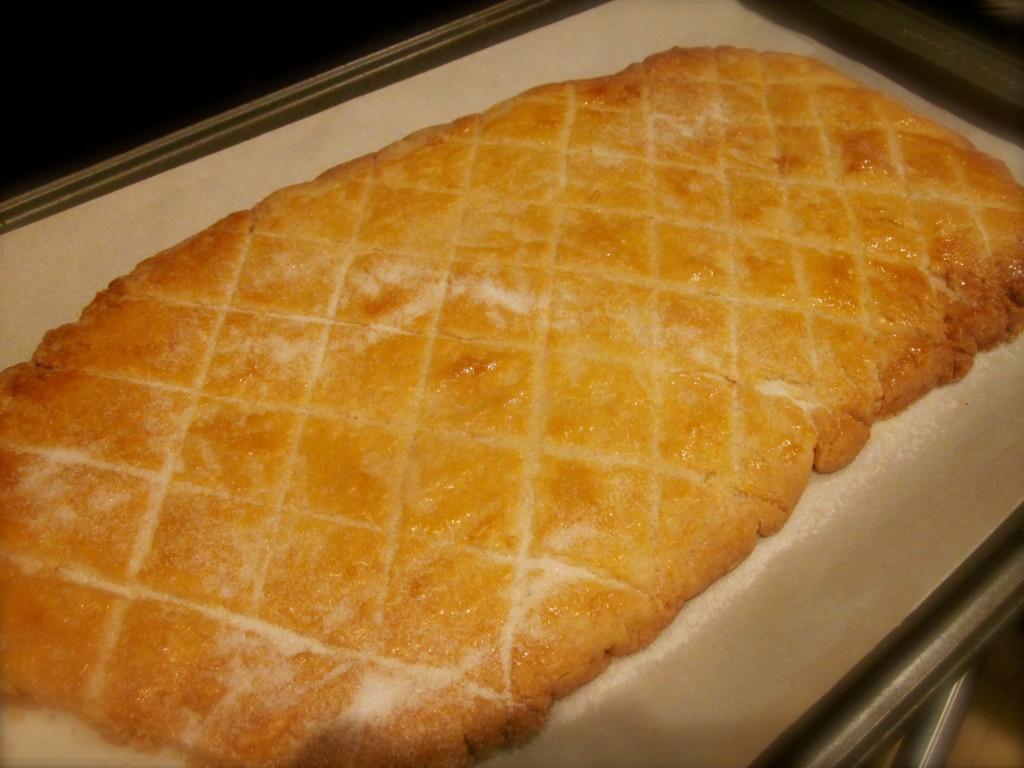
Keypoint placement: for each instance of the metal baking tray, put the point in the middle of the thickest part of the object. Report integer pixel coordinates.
(967, 55)
(879, 697)
(878, 701)
(488, 23)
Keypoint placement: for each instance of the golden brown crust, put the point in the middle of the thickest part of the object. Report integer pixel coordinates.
(375, 472)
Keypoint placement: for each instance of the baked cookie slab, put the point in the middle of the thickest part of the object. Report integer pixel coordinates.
(375, 471)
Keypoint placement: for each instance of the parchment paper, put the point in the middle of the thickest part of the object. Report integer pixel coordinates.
(864, 547)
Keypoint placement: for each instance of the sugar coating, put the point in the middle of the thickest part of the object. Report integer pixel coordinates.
(376, 471)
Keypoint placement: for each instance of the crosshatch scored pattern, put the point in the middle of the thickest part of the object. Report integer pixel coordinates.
(380, 467)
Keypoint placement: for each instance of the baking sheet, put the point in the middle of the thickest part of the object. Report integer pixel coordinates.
(745, 659)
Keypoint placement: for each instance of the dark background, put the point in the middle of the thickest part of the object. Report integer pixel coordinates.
(84, 84)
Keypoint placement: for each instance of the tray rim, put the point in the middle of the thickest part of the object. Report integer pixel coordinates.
(878, 700)
(418, 53)
(879, 697)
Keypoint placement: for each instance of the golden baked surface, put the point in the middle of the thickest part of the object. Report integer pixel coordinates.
(374, 471)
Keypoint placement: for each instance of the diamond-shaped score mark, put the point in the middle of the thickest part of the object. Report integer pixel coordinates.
(694, 332)
(208, 549)
(395, 219)
(864, 157)
(218, 685)
(601, 316)
(160, 671)
(606, 130)
(289, 276)
(901, 295)
(833, 282)
(73, 411)
(701, 535)
(985, 180)
(261, 357)
(610, 93)
(695, 143)
(506, 231)
(694, 256)
(371, 372)
(772, 346)
(598, 404)
(494, 301)
(439, 164)
(952, 240)
(346, 469)
(741, 69)
(913, 349)
(572, 625)
(210, 455)
(749, 147)
(187, 272)
(886, 224)
(596, 517)
(699, 422)
(765, 270)
(321, 210)
(776, 440)
(847, 383)
(83, 515)
(446, 606)
(516, 172)
(53, 631)
(692, 193)
(605, 240)
(928, 164)
(818, 212)
(478, 388)
(801, 153)
(843, 105)
(693, 95)
(757, 203)
(790, 104)
(847, 373)
(606, 181)
(325, 580)
(393, 290)
(539, 120)
(157, 341)
(464, 492)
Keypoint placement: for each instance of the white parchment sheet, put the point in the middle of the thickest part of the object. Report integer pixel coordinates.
(864, 547)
